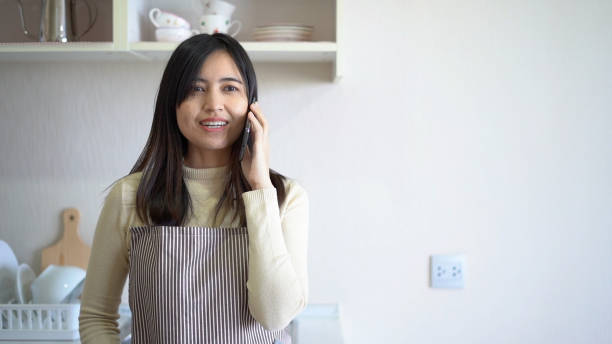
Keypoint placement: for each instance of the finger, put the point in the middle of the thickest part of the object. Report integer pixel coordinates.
(256, 128)
(254, 110)
(259, 114)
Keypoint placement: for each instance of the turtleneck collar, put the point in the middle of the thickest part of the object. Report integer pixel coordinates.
(205, 174)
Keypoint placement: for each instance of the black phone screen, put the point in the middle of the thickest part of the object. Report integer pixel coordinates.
(246, 134)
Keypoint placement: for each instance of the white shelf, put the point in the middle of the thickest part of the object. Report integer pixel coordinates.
(28, 47)
(121, 49)
(258, 51)
(58, 52)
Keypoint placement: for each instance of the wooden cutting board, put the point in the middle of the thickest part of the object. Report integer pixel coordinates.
(70, 250)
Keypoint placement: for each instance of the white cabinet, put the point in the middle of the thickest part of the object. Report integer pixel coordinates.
(127, 34)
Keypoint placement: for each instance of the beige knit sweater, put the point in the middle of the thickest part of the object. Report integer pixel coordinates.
(277, 275)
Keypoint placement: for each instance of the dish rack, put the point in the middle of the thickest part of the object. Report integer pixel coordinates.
(39, 322)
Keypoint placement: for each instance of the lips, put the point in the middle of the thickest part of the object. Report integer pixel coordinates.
(214, 124)
(213, 129)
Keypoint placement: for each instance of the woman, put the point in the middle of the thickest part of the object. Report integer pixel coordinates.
(214, 246)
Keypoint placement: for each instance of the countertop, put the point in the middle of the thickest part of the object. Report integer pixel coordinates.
(318, 323)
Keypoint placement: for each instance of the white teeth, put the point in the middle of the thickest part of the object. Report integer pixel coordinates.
(213, 124)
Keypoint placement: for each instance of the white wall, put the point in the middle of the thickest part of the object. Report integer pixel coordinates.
(481, 127)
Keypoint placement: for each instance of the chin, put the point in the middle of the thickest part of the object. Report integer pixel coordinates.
(215, 146)
(209, 143)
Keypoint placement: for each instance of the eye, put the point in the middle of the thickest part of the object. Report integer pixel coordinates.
(231, 88)
(197, 89)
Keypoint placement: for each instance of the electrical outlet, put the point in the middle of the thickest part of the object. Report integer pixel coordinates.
(448, 271)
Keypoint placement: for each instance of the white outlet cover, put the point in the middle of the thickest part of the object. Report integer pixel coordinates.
(448, 271)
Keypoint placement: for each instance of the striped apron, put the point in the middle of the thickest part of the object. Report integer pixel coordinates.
(188, 285)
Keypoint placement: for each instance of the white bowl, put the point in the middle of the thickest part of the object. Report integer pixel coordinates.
(166, 34)
(55, 283)
(8, 270)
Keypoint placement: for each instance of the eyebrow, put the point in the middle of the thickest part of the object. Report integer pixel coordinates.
(227, 78)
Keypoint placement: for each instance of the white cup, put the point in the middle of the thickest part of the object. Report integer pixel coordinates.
(161, 18)
(213, 23)
(55, 283)
(219, 7)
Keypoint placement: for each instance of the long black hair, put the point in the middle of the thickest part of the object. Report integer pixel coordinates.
(162, 197)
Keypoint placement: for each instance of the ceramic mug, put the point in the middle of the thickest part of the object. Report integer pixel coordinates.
(219, 7)
(25, 277)
(55, 283)
(213, 23)
(161, 18)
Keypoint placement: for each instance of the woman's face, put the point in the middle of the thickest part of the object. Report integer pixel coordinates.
(218, 93)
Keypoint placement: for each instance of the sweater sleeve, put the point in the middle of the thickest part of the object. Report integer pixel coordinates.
(106, 273)
(277, 269)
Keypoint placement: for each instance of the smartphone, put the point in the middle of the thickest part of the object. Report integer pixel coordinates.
(246, 134)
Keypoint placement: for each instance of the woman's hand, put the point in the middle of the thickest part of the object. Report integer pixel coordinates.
(255, 164)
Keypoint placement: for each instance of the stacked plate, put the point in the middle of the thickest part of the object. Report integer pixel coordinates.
(283, 32)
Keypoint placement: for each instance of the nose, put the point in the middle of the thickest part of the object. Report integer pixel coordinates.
(213, 101)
